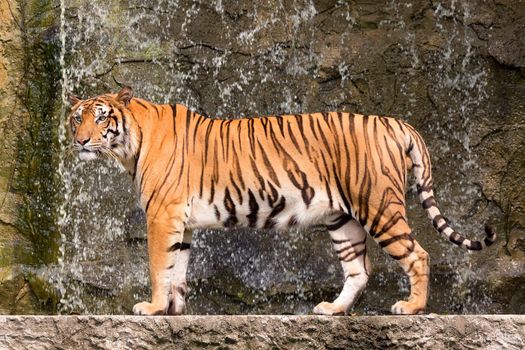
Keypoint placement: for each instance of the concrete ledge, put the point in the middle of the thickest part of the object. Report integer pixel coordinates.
(261, 332)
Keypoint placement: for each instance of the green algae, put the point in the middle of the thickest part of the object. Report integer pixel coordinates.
(33, 241)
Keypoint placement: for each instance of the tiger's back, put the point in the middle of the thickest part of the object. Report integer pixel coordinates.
(296, 169)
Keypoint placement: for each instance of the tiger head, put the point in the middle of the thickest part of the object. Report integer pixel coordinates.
(101, 125)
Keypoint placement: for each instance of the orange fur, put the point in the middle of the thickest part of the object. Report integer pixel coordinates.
(345, 170)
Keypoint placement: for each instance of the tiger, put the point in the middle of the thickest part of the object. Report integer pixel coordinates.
(343, 170)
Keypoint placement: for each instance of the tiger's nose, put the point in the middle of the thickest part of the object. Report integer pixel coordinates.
(82, 142)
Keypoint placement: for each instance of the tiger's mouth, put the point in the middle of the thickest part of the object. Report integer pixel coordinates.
(86, 154)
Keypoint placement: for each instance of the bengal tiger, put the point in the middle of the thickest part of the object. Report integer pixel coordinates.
(346, 171)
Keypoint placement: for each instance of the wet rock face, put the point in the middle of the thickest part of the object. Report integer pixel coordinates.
(455, 71)
(447, 68)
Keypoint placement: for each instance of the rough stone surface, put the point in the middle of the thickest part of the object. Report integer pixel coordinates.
(10, 75)
(27, 83)
(262, 332)
(13, 118)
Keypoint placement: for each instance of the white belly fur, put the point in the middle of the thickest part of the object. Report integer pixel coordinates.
(203, 214)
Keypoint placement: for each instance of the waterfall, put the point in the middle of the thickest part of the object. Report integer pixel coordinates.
(260, 58)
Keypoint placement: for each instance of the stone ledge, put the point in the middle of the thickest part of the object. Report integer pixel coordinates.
(261, 332)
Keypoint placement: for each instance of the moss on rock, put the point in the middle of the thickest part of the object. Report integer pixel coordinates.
(28, 232)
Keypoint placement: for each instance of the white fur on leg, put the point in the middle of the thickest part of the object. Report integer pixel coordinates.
(349, 242)
(178, 285)
(162, 299)
(352, 289)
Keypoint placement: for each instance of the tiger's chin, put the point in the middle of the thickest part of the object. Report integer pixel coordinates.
(87, 155)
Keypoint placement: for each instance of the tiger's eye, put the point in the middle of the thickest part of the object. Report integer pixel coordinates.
(102, 118)
(78, 118)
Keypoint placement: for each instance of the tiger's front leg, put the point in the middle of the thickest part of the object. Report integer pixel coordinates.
(164, 241)
(179, 287)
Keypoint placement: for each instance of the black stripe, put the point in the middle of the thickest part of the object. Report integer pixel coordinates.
(344, 249)
(429, 203)
(350, 246)
(179, 245)
(339, 222)
(254, 208)
(217, 213)
(212, 191)
(257, 174)
(137, 157)
(124, 124)
(351, 256)
(187, 135)
(149, 201)
(409, 251)
(292, 137)
(339, 241)
(174, 247)
(399, 257)
(273, 195)
(230, 207)
(307, 193)
(236, 187)
(108, 130)
(276, 210)
(422, 188)
(443, 227)
(456, 238)
(156, 110)
(140, 103)
(329, 193)
(268, 165)
(199, 119)
(391, 240)
(436, 219)
(206, 142)
(238, 167)
(410, 147)
(340, 189)
(475, 245)
(388, 225)
(364, 194)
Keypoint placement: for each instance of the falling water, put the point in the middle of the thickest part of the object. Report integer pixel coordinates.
(165, 51)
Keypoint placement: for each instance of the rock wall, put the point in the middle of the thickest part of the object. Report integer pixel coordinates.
(263, 332)
(10, 76)
(454, 70)
(28, 87)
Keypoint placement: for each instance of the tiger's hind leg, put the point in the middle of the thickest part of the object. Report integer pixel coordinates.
(348, 239)
(179, 287)
(395, 239)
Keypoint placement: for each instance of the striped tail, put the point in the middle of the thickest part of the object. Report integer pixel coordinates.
(418, 152)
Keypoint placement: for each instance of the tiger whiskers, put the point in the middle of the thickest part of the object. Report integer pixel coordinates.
(110, 154)
(70, 150)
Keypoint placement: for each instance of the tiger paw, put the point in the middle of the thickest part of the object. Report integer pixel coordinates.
(148, 309)
(331, 309)
(177, 300)
(407, 308)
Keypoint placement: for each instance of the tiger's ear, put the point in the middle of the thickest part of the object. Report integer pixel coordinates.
(73, 100)
(125, 95)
